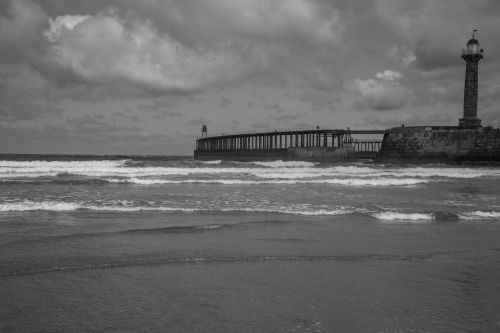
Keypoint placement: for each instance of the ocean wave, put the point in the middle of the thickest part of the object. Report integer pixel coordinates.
(33, 205)
(440, 216)
(61, 164)
(393, 216)
(286, 170)
(346, 182)
(128, 207)
(479, 215)
(285, 164)
(212, 162)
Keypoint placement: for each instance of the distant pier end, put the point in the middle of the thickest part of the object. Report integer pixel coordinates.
(327, 145)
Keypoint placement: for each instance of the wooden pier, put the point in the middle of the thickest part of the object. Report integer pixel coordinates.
(278, 142)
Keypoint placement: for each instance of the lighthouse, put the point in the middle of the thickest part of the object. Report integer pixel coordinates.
(471, 54)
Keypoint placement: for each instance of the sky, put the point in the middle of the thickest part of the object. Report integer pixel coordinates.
(142, 77)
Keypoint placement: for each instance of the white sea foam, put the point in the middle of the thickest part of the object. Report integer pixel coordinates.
(331, 181)
(212, 162)
(128, 206)
(479, 215)
(292, 174)
(285, 170)
(61, 164)
(4, 175)
(393, 216)
(109, 208)
(285, 164)
(74, 206)
(317, 212)
(43, 205)
(53, 168)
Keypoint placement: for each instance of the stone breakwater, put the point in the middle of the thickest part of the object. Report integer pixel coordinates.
(441, 144)
(446, 144)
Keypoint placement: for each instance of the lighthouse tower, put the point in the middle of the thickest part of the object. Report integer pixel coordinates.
(472, 54)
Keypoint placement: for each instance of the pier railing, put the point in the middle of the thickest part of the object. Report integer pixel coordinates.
(300, 129)
(284, 139)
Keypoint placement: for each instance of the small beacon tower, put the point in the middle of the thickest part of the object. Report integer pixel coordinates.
(472, 54)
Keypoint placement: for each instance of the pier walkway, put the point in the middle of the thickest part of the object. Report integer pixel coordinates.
(284, 139)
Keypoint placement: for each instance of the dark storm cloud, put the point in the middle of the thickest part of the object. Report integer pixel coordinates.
(98, 127)
(220, 44)
(21, 26)
(428, 58)
(202, 43)
(413, 120)
(168, 59)
(27, 111)
(436, 30)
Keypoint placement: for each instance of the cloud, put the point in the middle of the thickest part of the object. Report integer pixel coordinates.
(388, 75)
(187, 46)
(194, 21)
(436, 31)
(280, 18)
(402, 55)
(158, 64)
(384, 92)
(106, 49)
(408, 119)
(20, 26)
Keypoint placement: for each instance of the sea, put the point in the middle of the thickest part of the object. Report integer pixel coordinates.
(172, 244)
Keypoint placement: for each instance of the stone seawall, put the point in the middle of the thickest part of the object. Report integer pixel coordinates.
(323, 154)
(441, 144)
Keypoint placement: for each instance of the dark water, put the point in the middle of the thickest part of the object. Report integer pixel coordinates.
(131, 244)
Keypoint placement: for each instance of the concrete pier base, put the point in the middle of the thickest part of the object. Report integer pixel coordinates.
(322, 154)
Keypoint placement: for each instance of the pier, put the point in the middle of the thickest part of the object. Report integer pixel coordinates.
(313, 143)
(469, 141)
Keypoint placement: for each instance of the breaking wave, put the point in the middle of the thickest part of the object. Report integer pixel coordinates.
(393, 216)
(285, 164)
(477, 215)
(130, 207)
(340, 181)
(212, 162)
(127, 207)
(276, 172)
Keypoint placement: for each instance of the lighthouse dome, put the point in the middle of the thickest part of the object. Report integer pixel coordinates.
(472, 47)
(472, 41)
